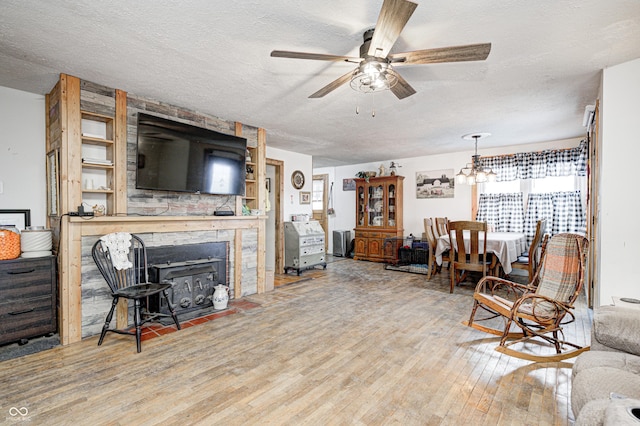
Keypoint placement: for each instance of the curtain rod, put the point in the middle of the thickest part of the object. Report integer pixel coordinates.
(532, 152)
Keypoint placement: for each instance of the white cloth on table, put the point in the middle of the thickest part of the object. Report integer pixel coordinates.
(118, 244)
(507, 246)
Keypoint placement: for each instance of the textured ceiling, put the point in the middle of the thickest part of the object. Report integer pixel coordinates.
(213, 56)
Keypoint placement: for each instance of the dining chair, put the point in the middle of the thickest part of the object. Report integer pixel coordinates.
(122, 260)
(432, 239)
(467, 257)
(441, 226)
(530, 260)
(539, 310)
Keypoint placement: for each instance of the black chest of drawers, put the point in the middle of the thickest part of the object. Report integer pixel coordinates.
(27, 298)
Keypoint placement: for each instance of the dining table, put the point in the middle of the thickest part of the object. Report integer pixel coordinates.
(507, 246)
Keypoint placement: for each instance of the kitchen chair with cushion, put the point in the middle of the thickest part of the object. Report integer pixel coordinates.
(539, 309)
(531, 259)
(122, 260)
(432, 239)
(471, 256)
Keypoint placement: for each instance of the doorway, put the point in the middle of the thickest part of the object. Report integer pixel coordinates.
(320, 204)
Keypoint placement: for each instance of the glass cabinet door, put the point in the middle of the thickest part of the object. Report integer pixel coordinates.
(391, 206)
(376, 205)
(361, 205)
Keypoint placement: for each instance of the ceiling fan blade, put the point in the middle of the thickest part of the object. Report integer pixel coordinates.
(333, 85)
(468, 52)
(402, 89)
(392, 19)
(316, 56)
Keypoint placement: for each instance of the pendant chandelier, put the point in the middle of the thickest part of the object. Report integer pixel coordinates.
(473, 172)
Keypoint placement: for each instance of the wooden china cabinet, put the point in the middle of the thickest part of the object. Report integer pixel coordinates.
(378, 215)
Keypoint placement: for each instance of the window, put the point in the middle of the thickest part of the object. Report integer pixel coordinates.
(499, 187)
(549, 185)
(317, 195)
(553, 184)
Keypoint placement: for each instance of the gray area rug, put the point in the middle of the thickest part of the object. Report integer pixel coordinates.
(15, 350)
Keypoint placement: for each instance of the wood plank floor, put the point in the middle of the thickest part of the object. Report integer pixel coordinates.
(354, 345)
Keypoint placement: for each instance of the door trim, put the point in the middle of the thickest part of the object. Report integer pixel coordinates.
(325, 205)
(278, 208)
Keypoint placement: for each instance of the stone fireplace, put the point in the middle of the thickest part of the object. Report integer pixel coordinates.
(174, 240)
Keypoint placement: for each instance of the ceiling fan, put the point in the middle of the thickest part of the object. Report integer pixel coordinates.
(375, 71)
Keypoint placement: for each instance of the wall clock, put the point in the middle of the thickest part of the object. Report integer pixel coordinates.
(297, 179)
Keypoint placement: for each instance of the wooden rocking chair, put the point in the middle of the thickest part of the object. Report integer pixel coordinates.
(542, 307)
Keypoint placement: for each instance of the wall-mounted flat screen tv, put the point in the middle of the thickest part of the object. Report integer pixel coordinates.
(174, 156)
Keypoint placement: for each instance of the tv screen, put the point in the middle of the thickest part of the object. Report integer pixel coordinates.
(174, 156)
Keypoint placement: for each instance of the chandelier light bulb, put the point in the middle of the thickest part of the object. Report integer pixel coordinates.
(471, 180)
(476, 174)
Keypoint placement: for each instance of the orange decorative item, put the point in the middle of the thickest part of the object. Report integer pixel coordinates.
(9, 242)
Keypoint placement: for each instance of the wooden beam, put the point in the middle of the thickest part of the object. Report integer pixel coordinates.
(238, 132)
(261, 194)
(120, 148)
(237, 265)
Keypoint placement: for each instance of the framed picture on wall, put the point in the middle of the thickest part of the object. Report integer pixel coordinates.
(305, 197)
(435, 184)
(348, 184)
(18, 218)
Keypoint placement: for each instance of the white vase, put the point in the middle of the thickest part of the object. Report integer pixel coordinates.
(220, 296)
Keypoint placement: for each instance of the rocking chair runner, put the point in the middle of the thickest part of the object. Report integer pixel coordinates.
(542, 307)
(122, 260)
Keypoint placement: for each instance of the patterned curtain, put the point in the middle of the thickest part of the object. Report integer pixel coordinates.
(562, 210)
(502, 212)
(537, 165)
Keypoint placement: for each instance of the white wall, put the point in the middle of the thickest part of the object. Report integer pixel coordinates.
(618, 232)
(22, 153)
(293, 161)
(414, 209)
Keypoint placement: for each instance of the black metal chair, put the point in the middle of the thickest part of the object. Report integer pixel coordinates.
(122, 260)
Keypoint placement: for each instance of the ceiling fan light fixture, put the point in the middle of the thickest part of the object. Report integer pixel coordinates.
(375, 54)
(373, 75)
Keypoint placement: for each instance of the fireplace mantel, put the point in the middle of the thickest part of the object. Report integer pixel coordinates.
(100, 225)
(74, 228)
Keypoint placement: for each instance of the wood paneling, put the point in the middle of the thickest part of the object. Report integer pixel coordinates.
(64, 132)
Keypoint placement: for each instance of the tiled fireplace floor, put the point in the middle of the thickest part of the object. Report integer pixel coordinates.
(154, 329)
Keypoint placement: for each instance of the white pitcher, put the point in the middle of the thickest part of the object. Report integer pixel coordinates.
(220, 296)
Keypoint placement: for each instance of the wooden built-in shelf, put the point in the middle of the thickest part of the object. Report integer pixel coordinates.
(97, 166)
(97, 191)
(90, 140)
